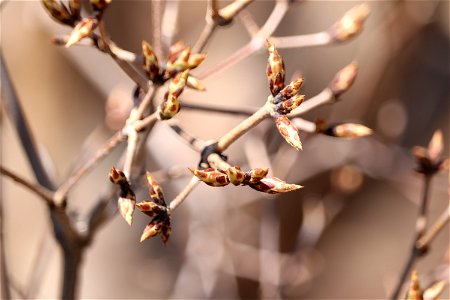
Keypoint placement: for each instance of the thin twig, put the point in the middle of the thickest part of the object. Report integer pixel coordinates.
(5, 292)
(17, 116)
(302, 41)
(184, 193)
(107, 147)
(169, 23)
(156, 13)
(226, 140)
(324, 97)
(195, 143)
(235, 111)
(426, 239)
(130, 151)
(204, 37)
(39, 190)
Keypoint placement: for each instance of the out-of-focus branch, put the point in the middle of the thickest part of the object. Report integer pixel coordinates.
(184, 193)
(156, 13)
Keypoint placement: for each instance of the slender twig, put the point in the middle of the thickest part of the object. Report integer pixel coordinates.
(235, 111)
(416, 252)
(324, 97)
(427, 237)
(301, 41)
(156, 13)
(17, 116)
(39, 190)
(107, 147)
(205, 36)
(184, 193)
(5, 292)
(130, 151)
(195, 143)
(226, 140)
(169, 23)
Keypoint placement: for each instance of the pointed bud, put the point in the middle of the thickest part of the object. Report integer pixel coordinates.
(434, 291)
(288, 131)
(100, 5)
(288, 91)
(116, 176)
(151, 209)
(177, 85)
(83, 29)
(274, 185)
(275, 70)
(179, 64)
(348, 130)
(155, 190)
(436, 146)
(195, 83)
(58, 11)
(195, 60)
(351, 23)
(126, 208)
(152, 229)
(170, 107)
(288, 105)
(150, 61)
(211, 176)
(257, 174)
(414, 292)
(344, 79)
(235, 175)
(166, 230)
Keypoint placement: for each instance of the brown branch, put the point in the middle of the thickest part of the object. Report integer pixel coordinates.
(427, 237)
(39, 190)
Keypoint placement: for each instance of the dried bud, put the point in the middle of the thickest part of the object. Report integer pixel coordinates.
(288, 105)
(344, 79)
(274, 185)
(351, 23)
(155, 190)
(150, 61)
(288, 91)
(347, 130)
(83, 29)
(211, 176)
(100, 5)
(434, 291)
(257, 174)
(195, 60)
(275, 70)
(288, 131)
(151, 208)
(127, 199)
(58, 11)
(75, 8)
(414, 292)
(235, 175)
(195, 83)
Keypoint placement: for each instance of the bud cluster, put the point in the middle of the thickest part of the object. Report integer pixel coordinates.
(429, 160)
(284, 99)
(256, 179)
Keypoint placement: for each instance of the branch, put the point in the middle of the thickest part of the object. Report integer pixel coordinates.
(184, 193)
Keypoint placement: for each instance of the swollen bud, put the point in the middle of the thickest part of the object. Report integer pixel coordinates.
(344, 79)
(288, 131)
(350, 24)
(275, 70)
(83, 29)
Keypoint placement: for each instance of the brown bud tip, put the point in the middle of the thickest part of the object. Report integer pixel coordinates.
(235, 175)
(212, 177)
(434, 291)
(116, 175)
(58, 12)
(83, 29)
(348, 130)
(275, 70)
(155, 190)
(350, 24)
(150, 60)
(344, 79)
(288, 131)
(257, 174)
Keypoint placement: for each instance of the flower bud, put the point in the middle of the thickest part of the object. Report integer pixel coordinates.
(351, 23)
(288, 91)
(151, 209)
(414, 292)
(290, 104)
(235, 175)
(150, 61)
(155, 190)
(195, 60)
(212, 177)
(152, 229)
(58, 11)
(83, 29)
(434, 291)
(127, 199)
(288, 131)
(274, 185)
(348, 130)
(275, 70)
(170, 107)
(344, 79)
(257, 174)
(195, 83)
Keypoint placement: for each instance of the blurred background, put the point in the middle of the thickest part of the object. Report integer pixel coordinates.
(345, 235)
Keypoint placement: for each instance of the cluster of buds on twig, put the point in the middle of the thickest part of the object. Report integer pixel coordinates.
(431, 293)
(256, 179)
(82, 27)
(342, 130)
(429, 160)
(180, 60)
(284, 99)
(155, 208)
